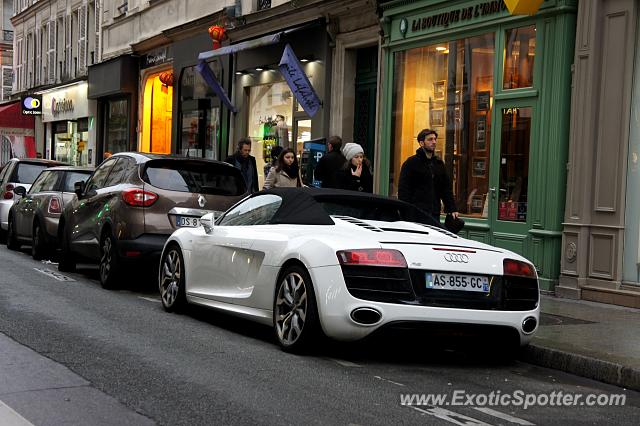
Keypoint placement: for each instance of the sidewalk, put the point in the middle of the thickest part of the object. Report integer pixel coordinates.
(589, 339)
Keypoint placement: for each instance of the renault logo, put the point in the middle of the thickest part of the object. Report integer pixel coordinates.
(456, 257)
(201, 200)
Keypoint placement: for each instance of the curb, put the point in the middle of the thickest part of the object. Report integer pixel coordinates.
(580, 365)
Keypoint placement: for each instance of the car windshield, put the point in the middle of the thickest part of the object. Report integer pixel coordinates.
(72, 177)
(194, 176)
(27, 172)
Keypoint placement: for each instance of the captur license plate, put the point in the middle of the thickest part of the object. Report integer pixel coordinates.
(187, 221)
(440, 281)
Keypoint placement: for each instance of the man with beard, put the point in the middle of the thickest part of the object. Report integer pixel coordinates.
(424, 181)
(246, 163)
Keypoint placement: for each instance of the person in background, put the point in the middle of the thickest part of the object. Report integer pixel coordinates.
(282, 131)
(286, 173)
(330, 163)
(275, 153)
(424, 181)
(246, 163)
(106, 155)
(355, 174)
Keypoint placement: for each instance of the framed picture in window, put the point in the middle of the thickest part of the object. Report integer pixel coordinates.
(481, 143)
(477, 204)
(483, 100)
(437, 117)
(439, 90)
(479, 167)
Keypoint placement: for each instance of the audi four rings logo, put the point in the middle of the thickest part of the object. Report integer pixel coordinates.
(456, 257)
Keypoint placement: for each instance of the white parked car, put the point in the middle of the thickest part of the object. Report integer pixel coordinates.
(309, 261)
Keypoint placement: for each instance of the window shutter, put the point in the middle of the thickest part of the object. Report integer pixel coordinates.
(82, 39)
(38, 64)
(51, 54)
(98, 25)
(69, 52)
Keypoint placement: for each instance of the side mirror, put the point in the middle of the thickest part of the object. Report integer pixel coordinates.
(20, 190)
(207, 222)
(78, 188)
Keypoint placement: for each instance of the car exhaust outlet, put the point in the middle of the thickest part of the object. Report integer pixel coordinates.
(529, 324)
(366, 316)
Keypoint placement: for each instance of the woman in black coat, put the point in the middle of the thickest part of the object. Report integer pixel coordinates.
(356, 175)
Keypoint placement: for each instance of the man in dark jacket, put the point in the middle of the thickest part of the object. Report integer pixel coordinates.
(331, 163)
(424, 181)
(246, 163)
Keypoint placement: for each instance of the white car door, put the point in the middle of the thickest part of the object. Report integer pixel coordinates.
(222, 258)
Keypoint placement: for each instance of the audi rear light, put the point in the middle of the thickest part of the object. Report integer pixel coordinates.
(372, 257)
(8, 192)
(139, 198)
(516, 268)
(55, 206)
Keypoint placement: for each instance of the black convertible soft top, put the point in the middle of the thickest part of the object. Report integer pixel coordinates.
(315, 206)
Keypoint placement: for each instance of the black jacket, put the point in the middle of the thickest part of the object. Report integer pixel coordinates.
(346, 180)
(328, 167)
(424, 183)
(250, 173)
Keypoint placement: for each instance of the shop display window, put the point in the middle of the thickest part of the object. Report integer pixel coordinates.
(270, 121)
(70, 140)
(519, 53)
(117, 126)
(156, 116)
(199, 115)
(448, 87)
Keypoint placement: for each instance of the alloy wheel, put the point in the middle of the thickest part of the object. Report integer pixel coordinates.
(291, 308)
(170, 278)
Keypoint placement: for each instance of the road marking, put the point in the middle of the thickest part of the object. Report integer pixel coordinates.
(450, 416)
(54, 274)
(149, 299)
(387, 380)
(345, 363)
(503, 416)
(8, 417)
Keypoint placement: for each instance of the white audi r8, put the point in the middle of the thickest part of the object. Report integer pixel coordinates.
(308, 261)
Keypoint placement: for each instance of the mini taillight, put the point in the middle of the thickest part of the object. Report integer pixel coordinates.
(372, 257)
(138, 197)
(8, 192)
(54, 205)
(517, 268)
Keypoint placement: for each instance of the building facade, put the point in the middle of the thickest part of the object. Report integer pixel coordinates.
(6, 49)
(600, 255)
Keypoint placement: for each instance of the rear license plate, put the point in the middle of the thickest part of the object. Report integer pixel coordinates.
(438, 281)
(187, 221)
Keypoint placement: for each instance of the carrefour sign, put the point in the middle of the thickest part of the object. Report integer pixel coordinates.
(68, 103)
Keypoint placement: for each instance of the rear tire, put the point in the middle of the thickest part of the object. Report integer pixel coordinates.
(67, 261)
(109, 262)
(171, 280)
(38, 246)
(12, 241)
(295, 313)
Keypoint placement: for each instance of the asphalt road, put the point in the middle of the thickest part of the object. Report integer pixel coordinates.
(145, 365)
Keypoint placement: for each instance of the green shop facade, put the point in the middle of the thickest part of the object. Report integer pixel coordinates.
(497, 89)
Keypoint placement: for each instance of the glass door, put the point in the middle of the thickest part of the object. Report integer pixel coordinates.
(510, 191)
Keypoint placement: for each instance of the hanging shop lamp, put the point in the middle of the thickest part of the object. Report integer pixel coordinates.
(166, 78)
(216, 32)
(523, 7)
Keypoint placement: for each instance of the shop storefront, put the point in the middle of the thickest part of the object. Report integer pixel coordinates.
(69, 119)
(496, 89)
(114, 85)
(156, 98)
(269, 112)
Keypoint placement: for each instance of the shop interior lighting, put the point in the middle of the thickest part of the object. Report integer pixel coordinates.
(304, 60)
(259, 69)
(239, 73)
(441, 48)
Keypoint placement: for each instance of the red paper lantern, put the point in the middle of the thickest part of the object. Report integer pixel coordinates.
(166, 78)
(216, 32)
